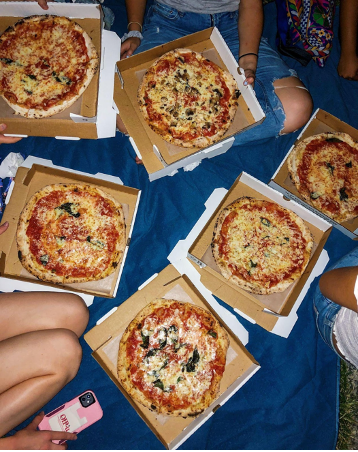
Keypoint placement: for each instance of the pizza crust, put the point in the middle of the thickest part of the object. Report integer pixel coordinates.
(157, 402)
(255, 285)
(202, 141)
(68, 99)
(28, 260)
(325, 180)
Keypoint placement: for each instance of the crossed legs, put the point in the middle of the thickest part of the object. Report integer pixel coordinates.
(39, 350)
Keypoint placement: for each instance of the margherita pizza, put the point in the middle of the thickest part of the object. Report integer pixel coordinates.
(261, 246)
(187, 99)
(46, 63)
(172, 357)
(69, 233)
(324, 169)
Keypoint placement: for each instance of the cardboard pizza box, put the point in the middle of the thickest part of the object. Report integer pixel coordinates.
(263, 309)
(92, 115)
(320, 122)
(272, 322)
(28, 181)
(105, 337)
(159, 157)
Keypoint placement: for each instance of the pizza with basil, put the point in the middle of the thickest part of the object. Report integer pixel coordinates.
(46, 63)
(260, 246)
(71, 233)
(172, 358)
(187, 99)
(324, 169)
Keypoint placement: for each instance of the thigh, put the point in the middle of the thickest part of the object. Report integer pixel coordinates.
(161, 25)
(36, 354)
(22, 312)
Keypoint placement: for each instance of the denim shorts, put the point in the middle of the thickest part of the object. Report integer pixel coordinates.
(163, 24)
(326, 310)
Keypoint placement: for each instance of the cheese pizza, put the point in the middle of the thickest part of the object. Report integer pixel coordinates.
(324, 169)
(187, 99)
(260, 246)
(69, 233)
(172, 357)
(46, 63)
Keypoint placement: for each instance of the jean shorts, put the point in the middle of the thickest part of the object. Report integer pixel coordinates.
(326, 310)
(163, 24)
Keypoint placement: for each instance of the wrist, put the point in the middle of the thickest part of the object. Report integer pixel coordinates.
(132, 34)
(134, 26)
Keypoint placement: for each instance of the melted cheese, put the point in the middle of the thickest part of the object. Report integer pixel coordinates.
(39, 63)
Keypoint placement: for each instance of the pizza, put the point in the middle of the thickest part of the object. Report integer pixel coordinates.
(172, 357)
(46, 63)
(187, 99)
(260, 246)
(324, 169)
(71, 233)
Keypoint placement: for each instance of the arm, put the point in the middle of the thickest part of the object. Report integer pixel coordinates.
(250, 25)
(348, 20)
(7, 140)
(338, 285)
(135, 14)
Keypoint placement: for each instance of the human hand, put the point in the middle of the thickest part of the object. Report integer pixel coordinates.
(249, 64)
(7, 140)
(129, 46)
(3, 227)
(348, 67)
(31, 438)
(43, 4)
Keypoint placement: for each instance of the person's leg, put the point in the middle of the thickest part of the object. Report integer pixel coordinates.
(326, 310)
(284, 99)
(22, 312)
(34, 367)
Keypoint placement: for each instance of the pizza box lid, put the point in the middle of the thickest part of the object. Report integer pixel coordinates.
(105, 337)
(159, 157)
(320, 122)
(92, 115)
(264, 309)
(28, 181)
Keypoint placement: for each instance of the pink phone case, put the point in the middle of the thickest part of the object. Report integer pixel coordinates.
(72, 416)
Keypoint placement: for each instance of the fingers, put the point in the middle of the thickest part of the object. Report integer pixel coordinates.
(7, 140)
(37, 419)
(62, 435)
(3, 228)
(43, 4)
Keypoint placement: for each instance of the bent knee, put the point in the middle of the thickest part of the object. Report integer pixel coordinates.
(296, 101)
(72, 313)
(67, 353)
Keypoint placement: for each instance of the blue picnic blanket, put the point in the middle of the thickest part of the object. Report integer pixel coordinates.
(292, 401)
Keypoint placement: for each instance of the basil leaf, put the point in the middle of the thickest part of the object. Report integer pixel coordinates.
(343, 196)
(265, 222)
(145, 340)
(158, 384)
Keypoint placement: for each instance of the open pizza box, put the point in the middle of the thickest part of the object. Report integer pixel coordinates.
(29, 180)
(159, 157)
(93, 114)
(105, 337)
(265, 310)
(320, 122)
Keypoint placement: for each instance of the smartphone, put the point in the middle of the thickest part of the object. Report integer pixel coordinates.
(74, 416)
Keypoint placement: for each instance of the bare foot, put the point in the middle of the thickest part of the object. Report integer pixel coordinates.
(120, 125)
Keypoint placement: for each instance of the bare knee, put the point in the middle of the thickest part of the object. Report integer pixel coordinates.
(71, 313)
(296, 101)
(67, 353)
